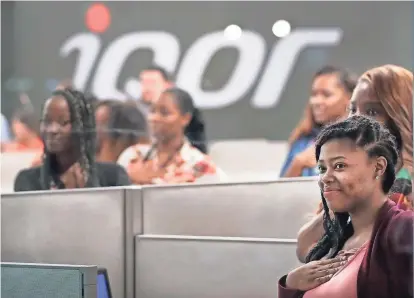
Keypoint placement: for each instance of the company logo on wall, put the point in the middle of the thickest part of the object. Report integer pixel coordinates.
(271, 74)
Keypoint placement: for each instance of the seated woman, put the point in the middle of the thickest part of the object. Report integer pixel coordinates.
(331, 91)
(68, 130)
(385, 94)
(121, 125)
(171, 158)
(25, 128)
(103, 110)
(65, 84)
(367, 246)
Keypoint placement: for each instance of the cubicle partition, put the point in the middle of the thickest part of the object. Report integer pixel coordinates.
(224, 240)
(24, 280)
(70, 227)
(98, 226)
(210, 267)
(273, 209)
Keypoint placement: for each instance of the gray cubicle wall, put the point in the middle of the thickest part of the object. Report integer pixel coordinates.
(97, 226)
(24, 280)
(210, 267)
(71, 227)
(273, 209)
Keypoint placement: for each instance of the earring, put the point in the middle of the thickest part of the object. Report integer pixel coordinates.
(377, 177)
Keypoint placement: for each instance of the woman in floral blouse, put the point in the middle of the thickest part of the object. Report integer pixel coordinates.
(170, 158)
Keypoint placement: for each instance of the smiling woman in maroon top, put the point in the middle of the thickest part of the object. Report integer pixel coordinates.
(366, 250)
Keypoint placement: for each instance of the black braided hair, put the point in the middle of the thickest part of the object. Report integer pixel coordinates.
(377, 141)
(83, 134)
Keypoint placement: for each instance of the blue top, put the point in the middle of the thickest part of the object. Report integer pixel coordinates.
(297, 147)
(5, 130)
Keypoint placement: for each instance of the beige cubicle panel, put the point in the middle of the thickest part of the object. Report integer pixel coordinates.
(11, 163)
(210, 267)
(68, 227)
(275, 209)
(245, 158)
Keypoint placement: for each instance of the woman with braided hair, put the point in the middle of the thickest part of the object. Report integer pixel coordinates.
(367, 246)
(385, 94)
(68, 132)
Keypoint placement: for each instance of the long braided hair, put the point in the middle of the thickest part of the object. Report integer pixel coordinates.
(82, 118)
(377, 141)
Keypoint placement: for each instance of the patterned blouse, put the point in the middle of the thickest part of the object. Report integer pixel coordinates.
(188, 165)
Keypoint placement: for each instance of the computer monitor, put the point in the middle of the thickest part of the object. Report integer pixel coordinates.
(103, 288)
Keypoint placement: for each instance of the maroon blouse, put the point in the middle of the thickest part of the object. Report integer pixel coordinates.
(387, 267)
